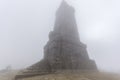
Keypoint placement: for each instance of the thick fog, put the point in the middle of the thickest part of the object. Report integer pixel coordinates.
(25, 25)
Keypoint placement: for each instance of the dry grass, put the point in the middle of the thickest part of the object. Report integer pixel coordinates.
(66, 76)
(77, 76)
(8, 75)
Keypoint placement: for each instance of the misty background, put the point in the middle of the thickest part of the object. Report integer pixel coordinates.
(25, 25)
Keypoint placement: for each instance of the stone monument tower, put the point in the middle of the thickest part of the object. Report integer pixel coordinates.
(64, 50)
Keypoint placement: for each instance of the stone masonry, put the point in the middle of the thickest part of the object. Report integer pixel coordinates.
(64, 50)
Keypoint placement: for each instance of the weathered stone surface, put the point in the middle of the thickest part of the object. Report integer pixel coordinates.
(64, 50)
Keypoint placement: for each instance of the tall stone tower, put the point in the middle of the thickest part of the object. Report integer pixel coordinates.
(64, 50)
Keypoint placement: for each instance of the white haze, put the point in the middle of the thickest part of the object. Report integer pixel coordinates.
(25, 25)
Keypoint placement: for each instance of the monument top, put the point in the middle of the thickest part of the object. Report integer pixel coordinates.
(65, 23)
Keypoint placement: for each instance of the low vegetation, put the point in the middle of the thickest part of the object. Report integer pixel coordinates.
(65, 76)
(9, 75)
(76, 76)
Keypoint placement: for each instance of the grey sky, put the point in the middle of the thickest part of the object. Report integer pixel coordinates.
(25, 25)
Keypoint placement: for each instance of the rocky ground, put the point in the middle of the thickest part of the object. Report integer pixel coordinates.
(66, 76)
